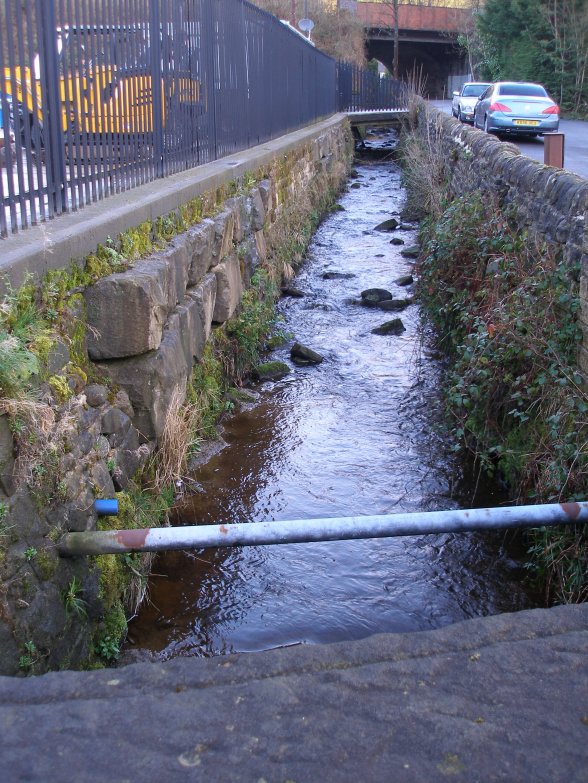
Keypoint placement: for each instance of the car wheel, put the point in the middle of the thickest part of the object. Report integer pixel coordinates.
(459, 116)
(486, 126)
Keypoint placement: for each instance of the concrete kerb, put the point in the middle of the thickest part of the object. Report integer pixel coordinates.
(71, 237)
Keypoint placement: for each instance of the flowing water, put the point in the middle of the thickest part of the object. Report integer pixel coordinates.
(354, 435)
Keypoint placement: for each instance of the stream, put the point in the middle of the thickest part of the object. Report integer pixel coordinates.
(357, 434)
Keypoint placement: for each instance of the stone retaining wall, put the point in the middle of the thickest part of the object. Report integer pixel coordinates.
(147, 326)
(552, 203)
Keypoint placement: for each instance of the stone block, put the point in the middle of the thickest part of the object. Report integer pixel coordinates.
(150, 380)
(229, 289)
(265, 191)
(129, 456)
(258, 213)
(199, 242)
(7, 482)
(224, 224)
(250, 259)
(25, 518)
(195, 318)
(241, 217)
(58, 357)
(115, 426)
(176, 256)
(261, 245)
(126, 311)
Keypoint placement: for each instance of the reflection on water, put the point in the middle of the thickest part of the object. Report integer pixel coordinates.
(353, 435)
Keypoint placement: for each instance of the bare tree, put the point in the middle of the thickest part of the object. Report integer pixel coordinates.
(394, 7)
(568, 22)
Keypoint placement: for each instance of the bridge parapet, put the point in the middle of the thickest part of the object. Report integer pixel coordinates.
(443, 19)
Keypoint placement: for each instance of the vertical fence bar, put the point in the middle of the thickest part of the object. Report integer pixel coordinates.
(138, 89)
(52, 132)
(156, 88)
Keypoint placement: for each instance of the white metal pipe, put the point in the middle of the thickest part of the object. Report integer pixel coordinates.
(332, 529)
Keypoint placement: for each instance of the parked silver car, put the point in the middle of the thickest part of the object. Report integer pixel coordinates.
(464, 100)
(516, 108)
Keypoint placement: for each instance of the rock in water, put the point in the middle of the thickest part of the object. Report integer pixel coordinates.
(302, 355)
(271, 371)
(333, 275)
(395, 304)
(410, 252)
(388, 225)
(395, 326)
(296, 293)
(371, 297)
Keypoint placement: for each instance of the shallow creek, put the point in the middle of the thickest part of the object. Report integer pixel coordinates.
(354, 435)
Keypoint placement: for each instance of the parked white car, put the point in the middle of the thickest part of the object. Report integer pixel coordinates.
(464, 100)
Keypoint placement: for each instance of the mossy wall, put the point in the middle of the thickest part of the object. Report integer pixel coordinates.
(551, 203)
(69, 426)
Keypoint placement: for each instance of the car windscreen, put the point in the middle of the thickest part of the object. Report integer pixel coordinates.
(530, 90)
(473, 90)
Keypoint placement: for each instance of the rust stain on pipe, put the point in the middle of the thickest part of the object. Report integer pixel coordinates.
(224, 529)
(571, 509)
(132, 539)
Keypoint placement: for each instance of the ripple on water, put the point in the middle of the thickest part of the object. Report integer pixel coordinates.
(353, 435)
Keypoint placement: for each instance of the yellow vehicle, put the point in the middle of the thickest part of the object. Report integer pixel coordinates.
(104, 83)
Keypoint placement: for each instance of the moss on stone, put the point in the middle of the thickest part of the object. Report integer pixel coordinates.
(60, 387)
(271, 371)
(137, 242)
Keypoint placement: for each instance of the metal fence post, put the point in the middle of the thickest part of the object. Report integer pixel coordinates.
(155, 33)
(53, 137)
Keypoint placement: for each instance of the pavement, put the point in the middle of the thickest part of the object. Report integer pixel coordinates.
(502, 698)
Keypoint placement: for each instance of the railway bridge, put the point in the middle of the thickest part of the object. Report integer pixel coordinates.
(427, 36)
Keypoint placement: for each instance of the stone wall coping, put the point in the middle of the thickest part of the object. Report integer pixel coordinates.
(71, 237)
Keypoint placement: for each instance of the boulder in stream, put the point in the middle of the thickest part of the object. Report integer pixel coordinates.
(271, 371)
(388, 225)
(294, 292)
(404, 280)
(303, 355)
(395, 304)
(412, 251)
(396, 241)
(395, 326)
(372, 297)
(334, 275)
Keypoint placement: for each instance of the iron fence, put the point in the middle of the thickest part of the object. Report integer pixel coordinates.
(99, 96)
(363, 90)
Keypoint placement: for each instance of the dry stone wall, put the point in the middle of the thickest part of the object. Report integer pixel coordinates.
(552, 203)
(146, 327)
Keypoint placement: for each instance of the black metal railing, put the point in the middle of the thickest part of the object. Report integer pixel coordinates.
(363, 90)
(104, 95)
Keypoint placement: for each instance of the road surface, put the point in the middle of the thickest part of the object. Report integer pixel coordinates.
(575, 149)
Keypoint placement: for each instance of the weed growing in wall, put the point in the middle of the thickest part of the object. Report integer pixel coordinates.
(506, 311)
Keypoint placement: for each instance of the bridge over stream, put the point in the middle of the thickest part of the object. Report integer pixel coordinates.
(427, 37)
(501, 698)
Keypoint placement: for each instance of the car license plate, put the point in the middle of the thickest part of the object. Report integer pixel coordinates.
(526, 122)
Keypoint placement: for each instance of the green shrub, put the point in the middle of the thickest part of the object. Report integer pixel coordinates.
(506, 311)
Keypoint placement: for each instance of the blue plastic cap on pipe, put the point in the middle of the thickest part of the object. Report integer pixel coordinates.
(107, 507)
